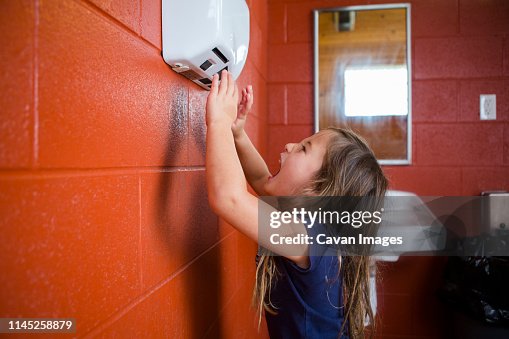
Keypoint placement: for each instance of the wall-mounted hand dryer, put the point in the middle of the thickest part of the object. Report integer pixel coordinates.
(203, 37)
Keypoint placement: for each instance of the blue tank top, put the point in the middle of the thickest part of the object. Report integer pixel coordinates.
(309, 301)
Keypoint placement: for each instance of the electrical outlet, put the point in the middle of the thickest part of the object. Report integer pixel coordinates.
(488, 107)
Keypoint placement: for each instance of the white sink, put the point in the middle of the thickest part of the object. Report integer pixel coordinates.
(410, 219)
(415, 222)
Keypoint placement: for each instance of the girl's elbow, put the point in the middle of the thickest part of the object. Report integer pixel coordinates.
(223, 203)
(215, 205)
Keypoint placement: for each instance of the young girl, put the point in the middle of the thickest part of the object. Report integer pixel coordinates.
(303, 295)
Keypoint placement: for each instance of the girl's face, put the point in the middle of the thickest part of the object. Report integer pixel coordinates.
(298, 164)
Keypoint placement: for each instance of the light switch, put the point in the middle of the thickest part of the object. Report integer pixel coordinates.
(488, 107)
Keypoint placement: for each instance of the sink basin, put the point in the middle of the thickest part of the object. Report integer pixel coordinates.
(411, 219)
(407, 216)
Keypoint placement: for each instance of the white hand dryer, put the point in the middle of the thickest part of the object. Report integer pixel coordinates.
(203, 37)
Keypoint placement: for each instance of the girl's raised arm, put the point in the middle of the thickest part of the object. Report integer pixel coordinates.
(226, 185)
(255, 168)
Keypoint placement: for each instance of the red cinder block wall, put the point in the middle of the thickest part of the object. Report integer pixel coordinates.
(460, 49)
(103, 207)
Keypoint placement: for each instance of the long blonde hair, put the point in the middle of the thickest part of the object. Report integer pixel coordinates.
(349, 169)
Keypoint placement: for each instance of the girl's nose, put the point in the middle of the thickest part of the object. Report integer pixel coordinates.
(289, 147)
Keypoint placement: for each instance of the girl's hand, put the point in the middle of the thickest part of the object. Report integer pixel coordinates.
(222, 100)
(246, 102)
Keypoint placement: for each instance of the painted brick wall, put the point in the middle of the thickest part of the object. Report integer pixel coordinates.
(460, 49)
(103, 208)
(101, 156)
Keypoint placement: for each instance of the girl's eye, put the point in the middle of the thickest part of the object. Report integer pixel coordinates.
(303, 148)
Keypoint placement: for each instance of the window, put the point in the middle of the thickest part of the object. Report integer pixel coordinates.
(376, 91)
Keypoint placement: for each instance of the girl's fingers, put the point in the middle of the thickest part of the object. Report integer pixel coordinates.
(250, 96)
(214, 87)
(235, 92)
(249, 89)
(231, 85)
(223, 86)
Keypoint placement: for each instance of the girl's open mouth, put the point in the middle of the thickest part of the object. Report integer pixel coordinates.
(281, 161)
